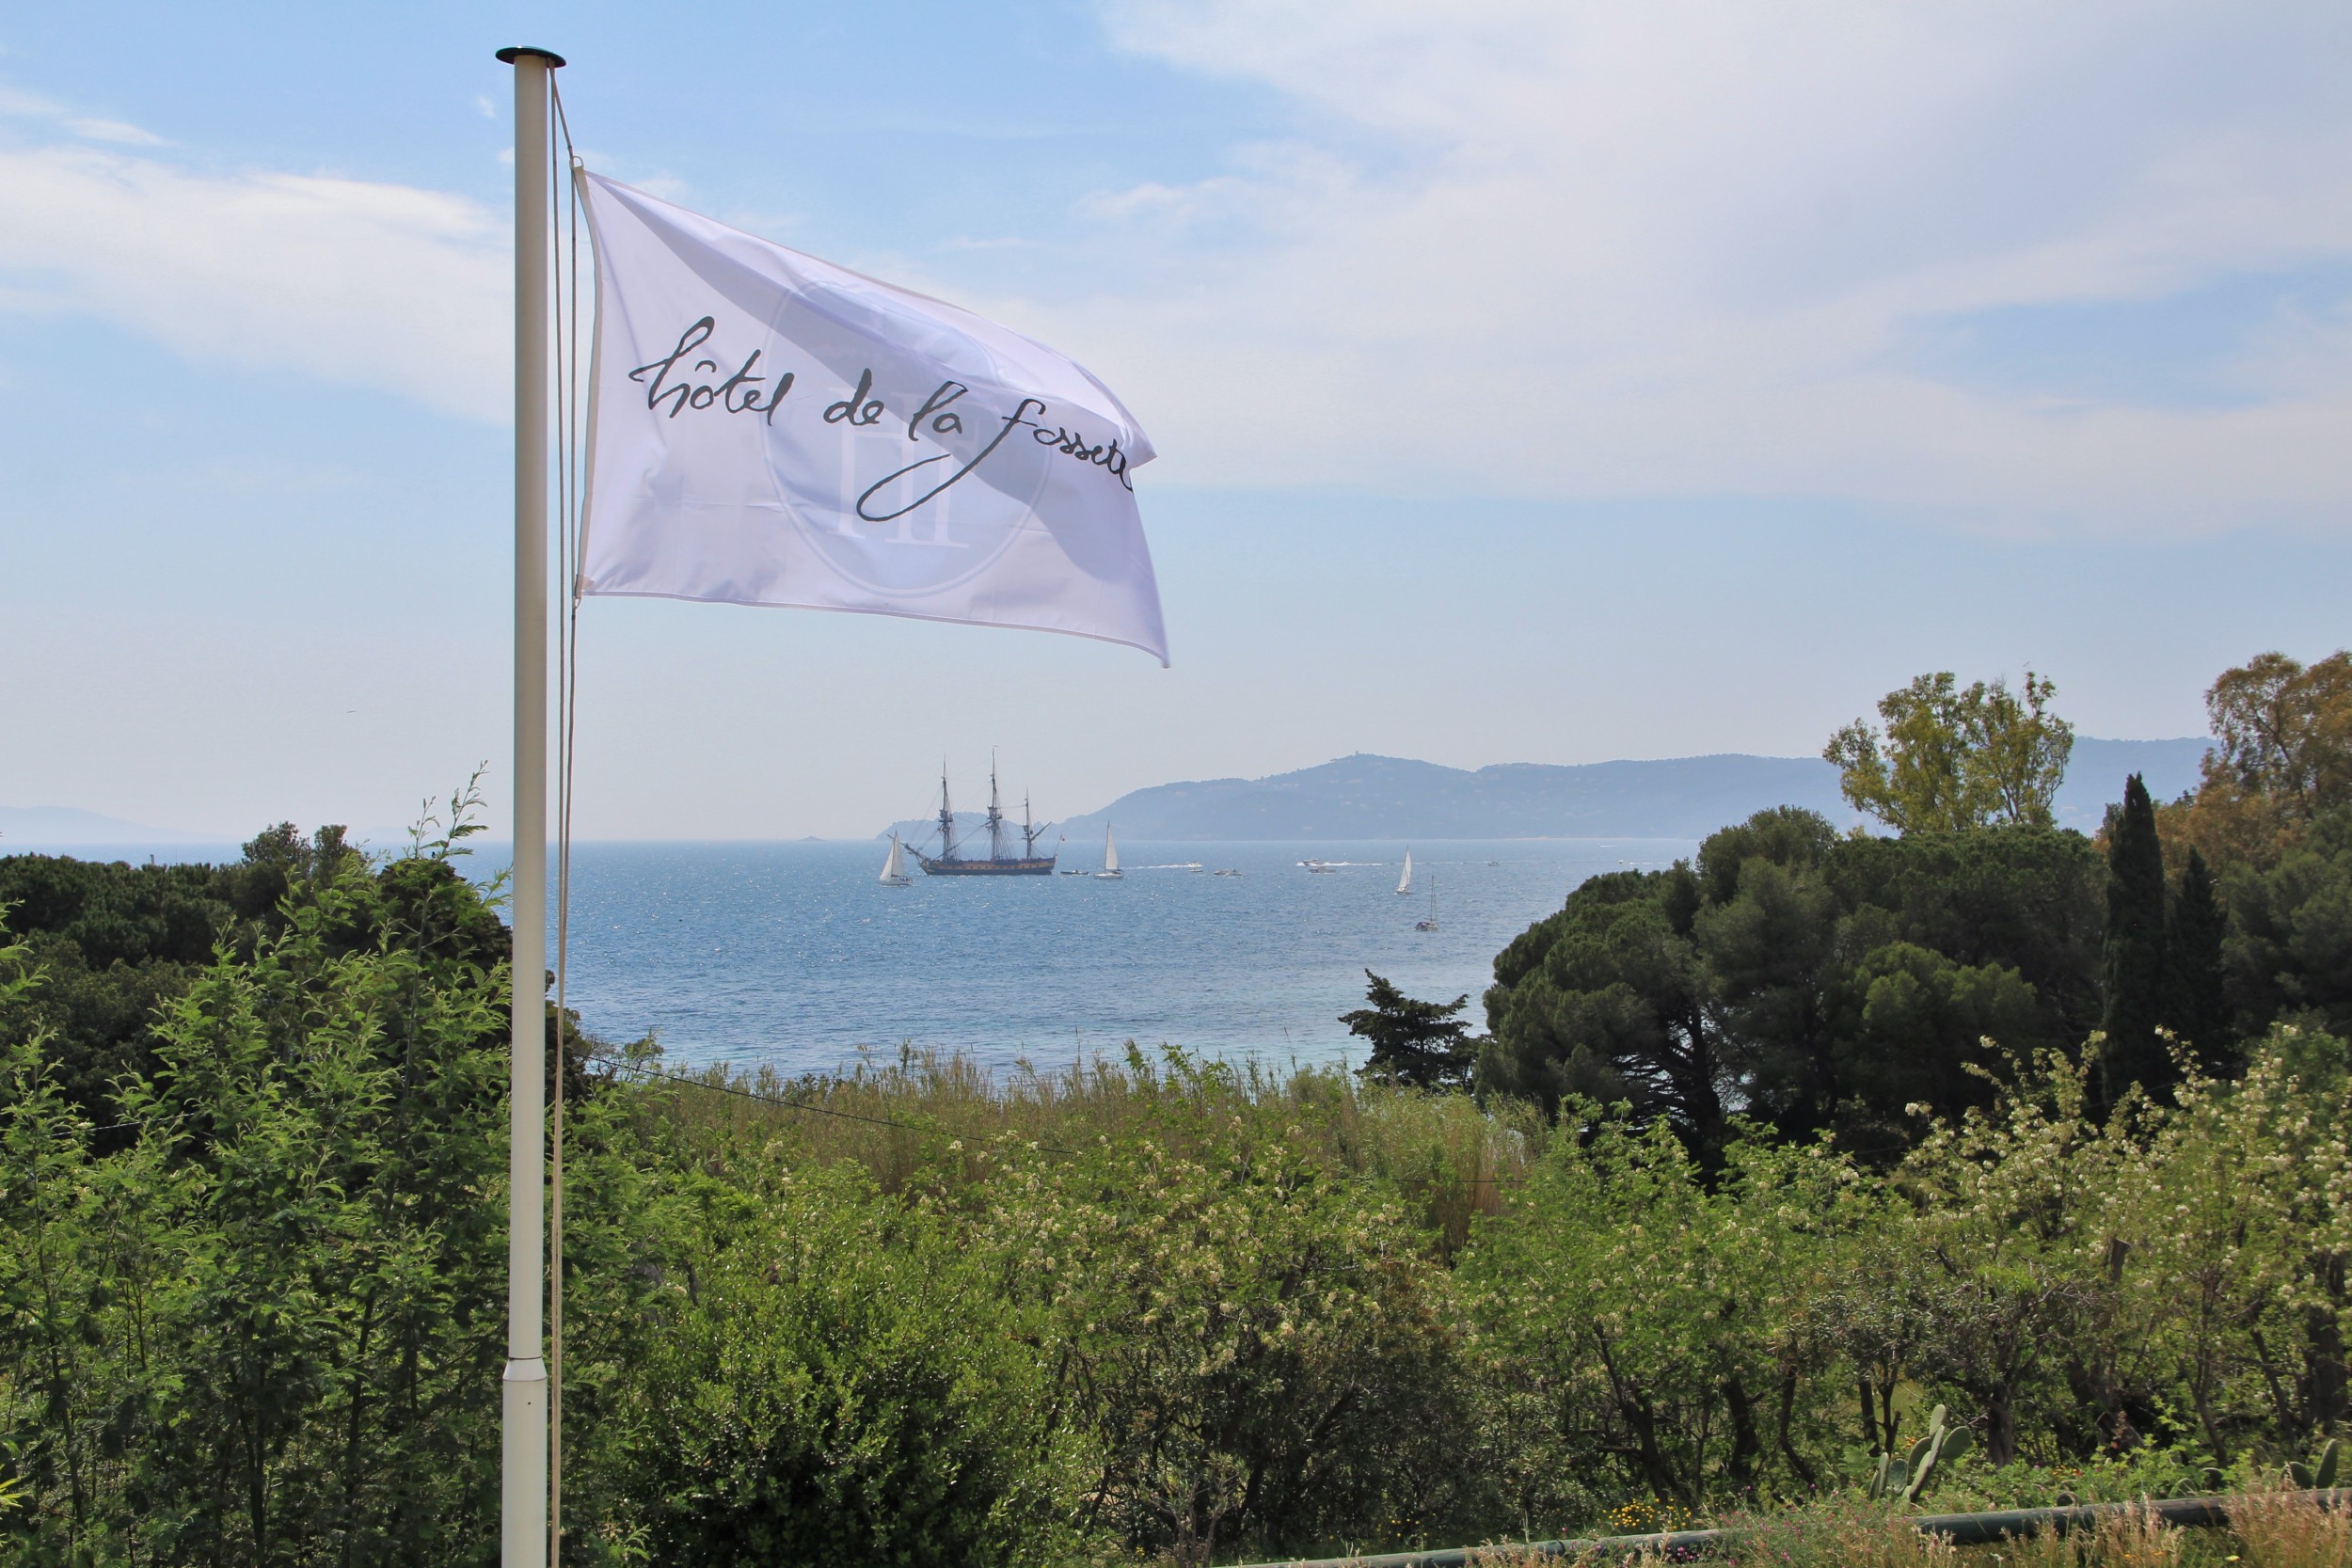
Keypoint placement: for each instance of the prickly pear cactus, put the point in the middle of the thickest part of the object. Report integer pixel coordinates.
(1912, 1475)
(2319, 1473)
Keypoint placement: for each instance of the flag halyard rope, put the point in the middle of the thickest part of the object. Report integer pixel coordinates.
(570, 460)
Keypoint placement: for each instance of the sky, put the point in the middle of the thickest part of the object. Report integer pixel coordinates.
(1534, 382)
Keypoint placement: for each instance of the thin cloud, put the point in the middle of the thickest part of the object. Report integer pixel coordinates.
(356, 283)
(121, 132)
(25, 105)
(28, 105)
(1576, 249)
(1525, 247)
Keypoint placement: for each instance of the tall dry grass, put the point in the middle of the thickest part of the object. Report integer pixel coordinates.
(1850, 1533)
(2133, 1537)
(2269, 1530)
(1828, 1535)
(2290, 1529)
(922, 1116)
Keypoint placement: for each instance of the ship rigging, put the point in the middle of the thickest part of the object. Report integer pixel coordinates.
(951, 862)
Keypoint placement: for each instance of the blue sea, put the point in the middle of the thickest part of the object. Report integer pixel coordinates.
(793, 955)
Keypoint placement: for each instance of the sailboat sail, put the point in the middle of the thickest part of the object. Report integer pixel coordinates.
(893, 871)
(1405, 883)
(1110, 853)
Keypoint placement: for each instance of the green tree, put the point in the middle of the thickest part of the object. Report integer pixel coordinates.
(1912, 1027)
(328, 1113)
(286, 1275)
(2195, 999)
(1954, 758)
(2008, 1196)
(1609, 1000)
(2289, 953)
(2281, 760)
(2018, 748)
(2283, 730)
(1803, 978)
(116, 942)
(1424, 1045)
(53, 1317)
(112, 942)
(2132, 963)
(2032, 900)
(1766, 938)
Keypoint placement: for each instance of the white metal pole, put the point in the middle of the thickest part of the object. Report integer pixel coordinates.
(523, 1473)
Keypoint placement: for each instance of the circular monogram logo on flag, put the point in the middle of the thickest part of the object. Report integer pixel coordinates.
(910, 493)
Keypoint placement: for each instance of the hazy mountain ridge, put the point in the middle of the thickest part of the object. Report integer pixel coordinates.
(45, 826)
(1369, 797)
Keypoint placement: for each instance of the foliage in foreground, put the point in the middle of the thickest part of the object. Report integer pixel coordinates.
(252, 1264)
(1159, 1307)
(262, 1328)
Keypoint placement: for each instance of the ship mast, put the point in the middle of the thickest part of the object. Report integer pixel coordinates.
(1028, 831)
(946, 816)
(996, 817)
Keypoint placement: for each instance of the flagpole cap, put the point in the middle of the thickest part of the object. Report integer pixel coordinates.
(509, 56)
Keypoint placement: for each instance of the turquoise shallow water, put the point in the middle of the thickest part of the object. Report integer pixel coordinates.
(794, 955)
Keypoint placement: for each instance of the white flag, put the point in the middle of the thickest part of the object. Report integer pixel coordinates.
(770, 429)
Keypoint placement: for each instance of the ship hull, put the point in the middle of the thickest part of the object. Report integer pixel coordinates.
(1039, 867)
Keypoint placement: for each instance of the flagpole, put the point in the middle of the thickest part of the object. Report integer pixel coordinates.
(523, 1467)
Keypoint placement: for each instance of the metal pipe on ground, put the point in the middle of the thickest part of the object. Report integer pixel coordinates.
(1962, 1529)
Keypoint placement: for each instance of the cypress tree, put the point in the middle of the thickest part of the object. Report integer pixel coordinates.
(2133, 966)
(2194, 1005)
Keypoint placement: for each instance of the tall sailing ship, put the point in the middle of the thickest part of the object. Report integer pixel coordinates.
(952, 861)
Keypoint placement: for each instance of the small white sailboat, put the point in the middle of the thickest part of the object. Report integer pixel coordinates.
(1110, 856)
(1405, 883)
(895, 868)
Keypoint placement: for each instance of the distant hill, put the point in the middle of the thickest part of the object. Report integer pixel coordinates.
(2095, 774)
(1367, 797)
(30, 827)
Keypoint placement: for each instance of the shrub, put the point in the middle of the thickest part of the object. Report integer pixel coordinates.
(824, 1377)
